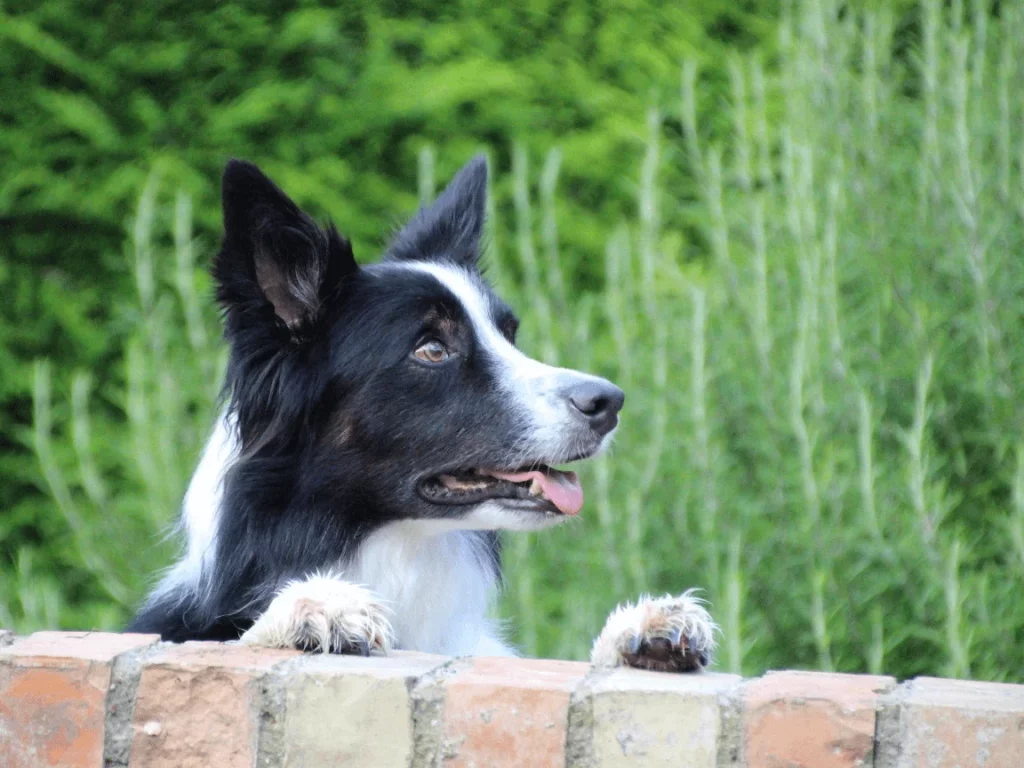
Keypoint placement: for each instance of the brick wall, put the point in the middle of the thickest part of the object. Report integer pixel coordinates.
(95, 699)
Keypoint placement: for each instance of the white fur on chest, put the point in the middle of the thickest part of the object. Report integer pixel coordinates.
(437, 582)
(200, 515)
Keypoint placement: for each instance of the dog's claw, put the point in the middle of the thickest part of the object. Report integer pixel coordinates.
(675, 636)
(634, 644)
(358, 647)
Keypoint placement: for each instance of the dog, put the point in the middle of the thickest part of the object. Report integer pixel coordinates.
(380, 429)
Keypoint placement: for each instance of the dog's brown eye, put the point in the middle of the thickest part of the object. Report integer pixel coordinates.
(432, 352)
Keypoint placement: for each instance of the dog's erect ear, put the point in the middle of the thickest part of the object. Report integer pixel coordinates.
(451, 227)
(275, 254)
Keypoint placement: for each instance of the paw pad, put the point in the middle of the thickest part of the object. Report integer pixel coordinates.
(668, 634)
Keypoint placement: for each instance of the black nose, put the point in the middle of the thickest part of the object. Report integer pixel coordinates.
(599, 401)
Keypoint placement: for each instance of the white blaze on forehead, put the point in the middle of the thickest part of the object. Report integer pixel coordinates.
(534, 387)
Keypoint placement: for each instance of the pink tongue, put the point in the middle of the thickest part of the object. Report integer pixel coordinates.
(562, 489)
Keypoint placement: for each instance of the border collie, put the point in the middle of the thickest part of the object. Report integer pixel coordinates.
(381, 427)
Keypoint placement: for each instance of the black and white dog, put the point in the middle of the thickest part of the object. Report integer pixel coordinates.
(382, 427)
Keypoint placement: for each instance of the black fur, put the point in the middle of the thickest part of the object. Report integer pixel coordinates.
(336, 421)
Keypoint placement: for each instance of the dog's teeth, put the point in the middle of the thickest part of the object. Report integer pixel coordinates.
(535, 487)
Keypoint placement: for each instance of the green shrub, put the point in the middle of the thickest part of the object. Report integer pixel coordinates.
(818, 341)
(335, 100)
(823, 420)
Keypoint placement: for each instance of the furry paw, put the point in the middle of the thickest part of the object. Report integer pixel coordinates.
(664, 634)
(323, 613)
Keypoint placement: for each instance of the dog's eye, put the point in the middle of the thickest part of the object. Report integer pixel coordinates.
(433, 352)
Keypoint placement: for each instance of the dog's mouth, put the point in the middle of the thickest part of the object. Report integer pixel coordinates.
(537, 487)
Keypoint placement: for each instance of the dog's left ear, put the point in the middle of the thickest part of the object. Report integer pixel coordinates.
(276, 268)
(451, 227)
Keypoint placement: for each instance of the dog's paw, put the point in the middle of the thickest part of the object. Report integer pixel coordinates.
(664, 634)
(323, 613)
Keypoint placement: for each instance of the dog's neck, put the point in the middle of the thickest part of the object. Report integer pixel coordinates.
(438, 581)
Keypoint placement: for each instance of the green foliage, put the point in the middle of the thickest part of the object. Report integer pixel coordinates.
(811, 298)
(822, 424)
(114, 465)
(334, 100)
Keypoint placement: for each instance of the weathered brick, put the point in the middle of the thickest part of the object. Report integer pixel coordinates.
(508, 712)
(344, 710)
(634, 718)
(89, 699)
(198, 705)
(811, 719)
(53, 696)
(933, 723)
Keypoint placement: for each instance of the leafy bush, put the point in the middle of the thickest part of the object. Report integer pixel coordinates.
(336, 101)
(822, 424)
(817, 340)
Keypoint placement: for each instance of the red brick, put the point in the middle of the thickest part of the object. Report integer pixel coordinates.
(508, 712)
(811, 719)
(958, 724)
(53, 690)
(197, 706)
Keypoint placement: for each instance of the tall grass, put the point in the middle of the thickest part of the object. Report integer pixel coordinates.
(115, 464)
(823, 424)
(820, 353)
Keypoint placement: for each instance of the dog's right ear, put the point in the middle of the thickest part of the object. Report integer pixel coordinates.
(451, 227)
(276, 266)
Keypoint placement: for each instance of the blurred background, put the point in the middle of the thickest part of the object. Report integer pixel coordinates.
(792, 231)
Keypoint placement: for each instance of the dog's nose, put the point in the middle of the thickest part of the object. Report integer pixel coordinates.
(599, 401)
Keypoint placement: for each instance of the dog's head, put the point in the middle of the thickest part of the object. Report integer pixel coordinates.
(395, 388)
